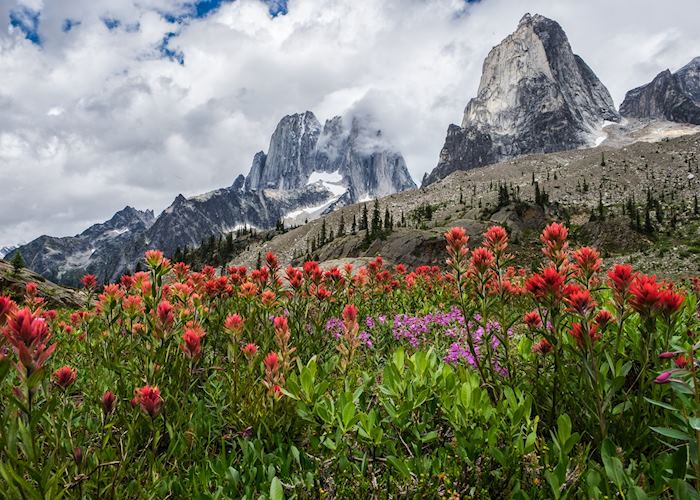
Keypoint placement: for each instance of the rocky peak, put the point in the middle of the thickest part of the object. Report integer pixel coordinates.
(289, 160)
(669, 96)
(689, 79)
(535, 95)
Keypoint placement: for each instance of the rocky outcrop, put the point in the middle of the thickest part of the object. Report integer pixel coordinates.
(535, 96)
(669, 96)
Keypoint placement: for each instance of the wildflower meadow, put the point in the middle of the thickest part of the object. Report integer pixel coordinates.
(471, 379)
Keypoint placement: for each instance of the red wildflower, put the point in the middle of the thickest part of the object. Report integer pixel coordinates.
(233, 323)
(579, 300)
(268, 298)
(192, 342)
(587, 260)
(579, 333)
(603, 318)
(165, 313)
(350, 313)
(31, 289)
(533, 320)
(456, 242)
(682, 361)
(548, 284)
(496, 239)
(272, 362)
(272, 261)
(482, 259)
(7, 306)
(663, 378)
(249, 350)
(133, 305)
(554, 240)
(621, 277)
(64, 376)
(670, 302)
(154, 258)
(109, 401)
(149, 399)
(28, 336)
(280, 323)
(645, 294)
(542, 347)
(89, 281)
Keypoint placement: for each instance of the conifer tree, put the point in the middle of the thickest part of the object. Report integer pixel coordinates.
(18, 261)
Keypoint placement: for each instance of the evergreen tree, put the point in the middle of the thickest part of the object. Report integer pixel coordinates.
(258, 262)
(602, 159)
(461, 196)
(648, 228)
(695, 204)
(387, 219)
(364, 221)
(601, 208)
(354, 224)
(323, 233)
(376, 220)
(18, 261)
(341, 226)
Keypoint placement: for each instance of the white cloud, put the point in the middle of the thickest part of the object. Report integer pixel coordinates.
(95, 119)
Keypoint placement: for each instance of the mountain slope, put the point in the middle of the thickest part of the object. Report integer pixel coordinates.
(576, 184)
(535, 96)
(669, 96)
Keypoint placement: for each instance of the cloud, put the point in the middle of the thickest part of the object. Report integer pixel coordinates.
(172, 96)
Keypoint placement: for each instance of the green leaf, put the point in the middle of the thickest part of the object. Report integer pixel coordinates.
(276, 490)
(661, 404)
(672, 433)
(348, 413)
(613, 465)
(399, 465)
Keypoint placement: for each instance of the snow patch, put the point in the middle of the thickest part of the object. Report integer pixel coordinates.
(602, 135)
(332, 181)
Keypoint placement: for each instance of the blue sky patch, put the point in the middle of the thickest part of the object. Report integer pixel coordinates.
(27, 20)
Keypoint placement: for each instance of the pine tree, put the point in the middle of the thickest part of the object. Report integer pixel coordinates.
(258, 262)
(18, 261)
(387, 219)
(461, 196)
(341, 226)
(648, 228)
(376, 220)
(364, 221)
(602, 159)
(601, 208)
(323, 233)
(695, 204)
(354, 224)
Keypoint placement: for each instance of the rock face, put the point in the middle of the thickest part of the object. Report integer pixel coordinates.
(535, 96)
(669, 96)
(363, 163)
(308, 170)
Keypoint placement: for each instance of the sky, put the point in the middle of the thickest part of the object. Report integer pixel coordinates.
(111, 103)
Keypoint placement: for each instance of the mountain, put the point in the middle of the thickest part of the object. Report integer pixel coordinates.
(354, 158)
(669, 96)
(535, 96)
(7, 249)
(102, 249)
(308, 170)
